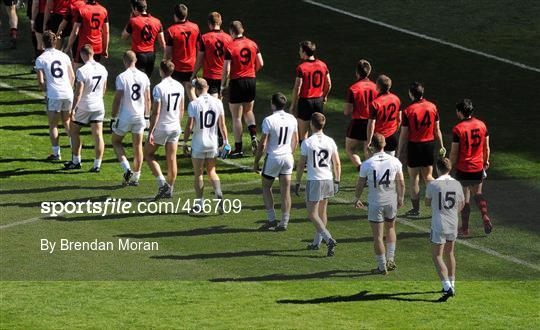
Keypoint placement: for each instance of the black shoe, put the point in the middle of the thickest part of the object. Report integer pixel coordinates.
(313, 247)
(412, 213)
(268, 225)
(164, 192)
(447, 295)
(53, 158)
(133, 183)
(280, 228)
(236, 154)
(331, 245)
(95, 169)
(127, 176)
(72, 166)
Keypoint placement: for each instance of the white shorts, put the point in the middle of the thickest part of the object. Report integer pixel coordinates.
(318, 190)
(124, 126)
(380, 213)
(438, 237)
(275, 166)
(198, 154)
(163, 137)
(58, 105)
(85, 117)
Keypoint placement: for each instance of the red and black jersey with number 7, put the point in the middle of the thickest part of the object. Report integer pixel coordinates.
(471, 134)
(313, 74)
(385, 110)
(144, 30)
(183, 37)
(420, 117)
(242, 52)
(92, 18)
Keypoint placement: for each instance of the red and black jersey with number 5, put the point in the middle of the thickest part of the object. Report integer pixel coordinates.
(242, 52)
(92, 17)
(313, 74)
(420, 117)
(471, 135)
(385, 110)
(144, 30)
(183, 38)
(213, 44)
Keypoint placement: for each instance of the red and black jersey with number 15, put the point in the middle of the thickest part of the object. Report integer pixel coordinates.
(313, 74)
(214, 44)
(92, 18)
(471, 135)
(242, 52)
(144, 30)
(183, 38)
(385, 111)
(420, 117)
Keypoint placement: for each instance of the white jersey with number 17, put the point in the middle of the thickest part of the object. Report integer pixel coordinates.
(94, 77)
(205, 110)
(318, 149)
(170, 93)
(280, 128)
(381, 170)
(134, 84)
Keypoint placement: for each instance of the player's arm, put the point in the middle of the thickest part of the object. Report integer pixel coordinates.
(294, 98)
(294, 141)
(438, 134)
(327, 86)
(336, 163)
(187, 131)
(359, 189)
(161, 41)
(427, 200)
(147, 102)
(300, 168)
(72, 37)
(223, 129)
(79, 87)
(116, 102)
(47, 14)
(126, 32)
(454, 153)
(71, 74)
(487, 152)
(403, 138)
(400, 187)
(105, 39)
(371, 124)
(259, 63)
(41, 80)
(225, 73)
(61, 27)
(198, 64)
(260, 150)
(348, 109)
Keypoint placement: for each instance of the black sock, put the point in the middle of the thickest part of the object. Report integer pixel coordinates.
(252, 130)
(415, 204)
(237, 146)
(300, 143)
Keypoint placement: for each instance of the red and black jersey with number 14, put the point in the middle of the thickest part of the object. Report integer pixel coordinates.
(144, 30)
(183, 38)
(471, 135)
(420, 117)
(385, 111)
(214, 44)
(313, 74)
(92, 18)
(242, 52)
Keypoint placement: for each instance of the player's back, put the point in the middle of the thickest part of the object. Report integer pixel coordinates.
(60, 6)
(144, 30)
(94, 76)
(446, 194)
(360, 95)
(169, 92)
(318, 149)
(183, 37)
(92, 17)
(133, 83)
(385, 109)
(280, 128)
(55, 65)
(214, 44)
(313, 74)
(242, 52)
(381, 170)
(420, 118)
(205, 110)
(471, 135)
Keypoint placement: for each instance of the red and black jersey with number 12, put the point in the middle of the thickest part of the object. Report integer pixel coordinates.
(214, 44)
(242, 52)
(385, 111)
(313, 74)
(144, 30)
(92, 18)
(420, 117)
(183, 38)
(471, 135)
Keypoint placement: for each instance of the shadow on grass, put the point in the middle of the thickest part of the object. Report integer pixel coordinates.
(365, 239)
(297, 277)
(23, 113)
(362, 296)
(56, 189)
(236, 254)
(23, 102)
(214, 230)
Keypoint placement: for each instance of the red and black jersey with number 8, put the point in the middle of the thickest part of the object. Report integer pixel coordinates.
(471, 135)
(144, 30)
(313, 74)
(214, 44)
(242, 52)
(420, 117)
(385, 111)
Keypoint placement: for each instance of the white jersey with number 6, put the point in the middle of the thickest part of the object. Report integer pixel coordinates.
(170, 93)
(205, 110)
(318, 149)
(55, 65)
(446, 195)
(94, 77)
(280, 128)
(134, 84)
(380, 171)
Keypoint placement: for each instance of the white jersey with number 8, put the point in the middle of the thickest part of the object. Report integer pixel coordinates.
(318, 149)
(380, 171)
(134, 84)
(170, 93)
(205, 110)
(94, 77)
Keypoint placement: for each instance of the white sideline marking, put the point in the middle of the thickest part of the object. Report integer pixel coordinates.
(422, 36)
(27, 93)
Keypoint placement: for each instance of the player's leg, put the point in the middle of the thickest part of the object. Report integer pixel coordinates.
(249, 119)
(118, 147)
(313, 215)
(149, 152)
(268, 199)
(172, 165)
(210, 165)
(377, 229)
(303, 130)
(76, 147)
(138, 156)
(391, 239)
(414, 183)
(99, 145)
(54, 118)
(450, 261)
(189, 90)
(465, 212)
(285, 191)
(198, 183)
(440, 266)
(13, 22)
(351, 147)
(367, 153)
(236, 117)
(482, 205)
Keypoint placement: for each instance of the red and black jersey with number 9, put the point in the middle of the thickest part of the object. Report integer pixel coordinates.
(313, 74)
(420, 117)
(471, 135)
(385, 111)
(214, 44)
(92, 18)
(242, 52)
(183, 38)
(144, 30)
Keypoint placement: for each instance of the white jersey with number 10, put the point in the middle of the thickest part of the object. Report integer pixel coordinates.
(205, 110)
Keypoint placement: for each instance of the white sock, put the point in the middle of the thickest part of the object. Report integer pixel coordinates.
(97, 162)
(136, 176)
(381, 261)
(317, 240)
(446, 285)
(56, 150)
(218, 193)
(76, 159)
(326, 235)
(271, 215)
(161, 180)
(452, 280)
(284, 220)
(125, 165)
(390, 251)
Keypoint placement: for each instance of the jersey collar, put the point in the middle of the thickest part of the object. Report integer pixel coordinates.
(444, 177)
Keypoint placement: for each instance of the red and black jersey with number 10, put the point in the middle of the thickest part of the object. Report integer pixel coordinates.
(313, 74)
(92, 18)
(420, 117)
(471, 135)
(385, 111)
(144, 30)
(242, 52)
(183, 38)
(214, 44)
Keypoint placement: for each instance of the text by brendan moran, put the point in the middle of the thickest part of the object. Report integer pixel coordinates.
(96, 245)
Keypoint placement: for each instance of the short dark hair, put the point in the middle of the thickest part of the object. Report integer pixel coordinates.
(237, 27)
(417, 90)
(279, 100)
(378, 141)
(363, 68)
(444, 165)
(87, 50)
(181, 11)
(308, 47)
(49, 39)
(167, 67)
(384, 83)
(140, 6)
(214, 18)
(465, 106)
(318, 120)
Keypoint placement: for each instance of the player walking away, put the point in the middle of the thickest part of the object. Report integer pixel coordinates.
(88, 108)
(242, 60)
(384, 177)
(55, 77)
(36, 22)
(445, 196)
(55, 10)
(131, 106)
(91, 27)
(205, 115)
(279, 138)
(68, 21)
(211, 54)
(419, 130)
(311, 87)
(167, 113)
(385, 115)
(181, 39)
(144, 30)
(319, 152)
(359, 97)
(11, 10)
(470, 156)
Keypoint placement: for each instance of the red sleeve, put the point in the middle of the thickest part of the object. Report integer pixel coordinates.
(372, 112)
(129, 29)
(455, 135)
(106, 20)
(202, 48)
(299, 72)
(168, 38)
(405, 122)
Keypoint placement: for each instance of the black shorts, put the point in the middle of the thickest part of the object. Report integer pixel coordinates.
(307, 107)
(54, 22)
(358, 129)
(214, 86)
(468, 179)
(391, 142)
(10, 3)
(77, 58)
(242, 90)
(38, 23)
(182, 77)
(420, 154)
(145, 62)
